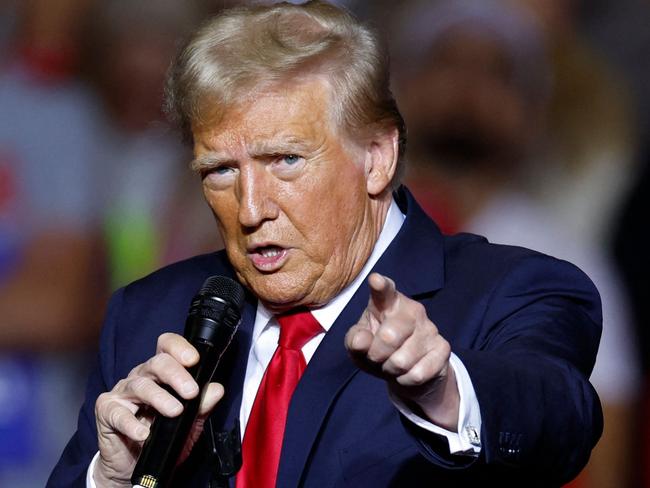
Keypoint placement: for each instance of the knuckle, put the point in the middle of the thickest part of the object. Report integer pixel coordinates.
(428, 333)
(418, 376)
(444, 348)
(138, 385)
(116, 418)
(134, 372)
(432, 327)
(377, 353)
(102, 402)
(389, 336)
(158, 397)
(373, 356)
(123, 384)
(418, 310)
(435, 359)
(399, 362)
(159, 362)
(164, 339)
(178, 378)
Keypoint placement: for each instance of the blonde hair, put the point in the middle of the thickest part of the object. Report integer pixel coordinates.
(246, 48)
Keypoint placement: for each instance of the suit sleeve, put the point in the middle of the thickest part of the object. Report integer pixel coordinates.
(71, 469)
(535, 349)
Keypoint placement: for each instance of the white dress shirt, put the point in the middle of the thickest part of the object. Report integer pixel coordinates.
(266, 332)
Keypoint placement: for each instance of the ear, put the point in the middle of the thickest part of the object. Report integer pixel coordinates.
(381, 161)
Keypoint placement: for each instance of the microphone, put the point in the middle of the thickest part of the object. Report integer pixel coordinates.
(215, 314)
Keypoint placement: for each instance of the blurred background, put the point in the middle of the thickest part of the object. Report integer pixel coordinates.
(529, 122)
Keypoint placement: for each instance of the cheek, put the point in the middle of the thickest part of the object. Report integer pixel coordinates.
(340, 214)
(225, 211)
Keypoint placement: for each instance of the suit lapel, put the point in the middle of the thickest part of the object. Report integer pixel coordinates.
(327, 373)
(414, 260)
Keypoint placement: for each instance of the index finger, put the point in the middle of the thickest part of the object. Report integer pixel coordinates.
(178, 347)
(383, 292)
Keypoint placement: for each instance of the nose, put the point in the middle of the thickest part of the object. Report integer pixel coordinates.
(256, 196)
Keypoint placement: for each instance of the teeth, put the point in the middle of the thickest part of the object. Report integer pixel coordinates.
(269, 253)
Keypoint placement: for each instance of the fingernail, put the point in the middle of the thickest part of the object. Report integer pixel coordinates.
(142, 433)
(188, 355)
(174, 407)
(188, 387)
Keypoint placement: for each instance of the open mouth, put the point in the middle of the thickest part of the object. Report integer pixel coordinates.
(269, 251)
(268, 258)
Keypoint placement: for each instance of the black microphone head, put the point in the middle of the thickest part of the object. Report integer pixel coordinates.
(224, 288)
(215, 311)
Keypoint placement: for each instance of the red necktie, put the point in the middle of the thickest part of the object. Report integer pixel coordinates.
(265, 430)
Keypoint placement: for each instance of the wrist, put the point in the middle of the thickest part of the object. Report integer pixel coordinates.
(441, 406)
(437, 402)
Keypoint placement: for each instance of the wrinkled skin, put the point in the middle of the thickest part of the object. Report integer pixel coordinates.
(277, 176)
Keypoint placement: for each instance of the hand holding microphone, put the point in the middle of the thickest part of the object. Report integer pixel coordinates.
(185, 365)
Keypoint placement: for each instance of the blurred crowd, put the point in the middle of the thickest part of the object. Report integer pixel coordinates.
(528, 123)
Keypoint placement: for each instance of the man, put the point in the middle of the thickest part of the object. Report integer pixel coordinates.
(298, 142)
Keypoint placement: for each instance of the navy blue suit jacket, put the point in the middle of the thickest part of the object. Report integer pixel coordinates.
(525, 325)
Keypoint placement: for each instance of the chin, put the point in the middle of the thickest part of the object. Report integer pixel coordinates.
(281, 291)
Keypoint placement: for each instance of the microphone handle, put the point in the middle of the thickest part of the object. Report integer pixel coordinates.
(167, 437)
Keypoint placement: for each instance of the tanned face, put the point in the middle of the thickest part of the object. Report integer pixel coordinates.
(299, 204)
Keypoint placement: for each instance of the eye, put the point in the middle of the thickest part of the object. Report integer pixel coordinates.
(291, 159)
(217, 170)
(287, 166)
(222, 170)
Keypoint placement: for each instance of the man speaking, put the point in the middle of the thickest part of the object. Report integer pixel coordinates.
(373, 351)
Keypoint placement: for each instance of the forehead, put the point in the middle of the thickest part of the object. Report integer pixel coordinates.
(295, 110)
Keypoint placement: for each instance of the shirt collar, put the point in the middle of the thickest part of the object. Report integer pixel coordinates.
(327, 314)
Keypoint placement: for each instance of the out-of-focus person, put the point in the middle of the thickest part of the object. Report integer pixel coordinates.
(147, 192)
(590, 145)
(478, 86)
(48, 238)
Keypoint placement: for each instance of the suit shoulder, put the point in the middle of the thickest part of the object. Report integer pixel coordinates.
(469, 253)
(466, 247)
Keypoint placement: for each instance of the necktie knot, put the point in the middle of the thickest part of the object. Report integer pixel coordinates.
(297, 328)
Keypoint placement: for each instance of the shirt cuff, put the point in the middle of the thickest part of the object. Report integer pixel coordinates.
(467, 439)
(90, 481)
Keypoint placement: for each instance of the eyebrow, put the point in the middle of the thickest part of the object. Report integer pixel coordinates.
(289, 145)
(210, 159)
